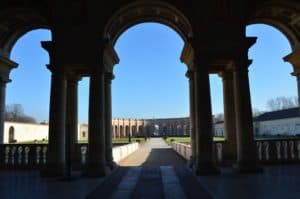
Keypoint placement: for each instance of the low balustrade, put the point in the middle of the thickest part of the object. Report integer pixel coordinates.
(269, 151)
(34, 156)
(23, 155)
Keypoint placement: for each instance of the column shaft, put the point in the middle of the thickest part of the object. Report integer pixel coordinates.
(246, 154)
(72, 118)
(2, 109)
(56, 160)
(230, 149)
(108, 120)
(190, 75)
(96, 156)
(204, 135)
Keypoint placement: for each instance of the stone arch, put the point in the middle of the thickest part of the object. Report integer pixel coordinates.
(283, 15)
(147, 11)
(11, 135)
(117, 134)
(140, 130)
(127, 131)
(121, 131)
(16, 25)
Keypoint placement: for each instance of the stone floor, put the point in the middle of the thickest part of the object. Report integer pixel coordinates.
(156, 171)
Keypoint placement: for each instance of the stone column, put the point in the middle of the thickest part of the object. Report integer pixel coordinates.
(72, 118)
(108, 120)
(6, 66)
(56, 159)
(203, 117)
(96, 166)
(230, 148)
(246, 149)
(190, 75)
(294, 59)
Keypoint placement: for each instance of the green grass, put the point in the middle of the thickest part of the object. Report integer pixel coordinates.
(187, 139)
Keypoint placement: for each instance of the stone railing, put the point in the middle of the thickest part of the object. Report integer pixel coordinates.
(278, 150)
(34, 156)
(269, 151)
(23, 155)
(185, 150)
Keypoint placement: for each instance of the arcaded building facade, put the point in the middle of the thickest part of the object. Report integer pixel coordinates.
(84, 33)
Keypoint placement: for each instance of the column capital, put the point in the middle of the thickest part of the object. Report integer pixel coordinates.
(110, 57)
(6, 65)
(109, 76)
(241, 64)
(190, 74)
(187, 55)
(294, 59)
(56, 69)
(226, 74)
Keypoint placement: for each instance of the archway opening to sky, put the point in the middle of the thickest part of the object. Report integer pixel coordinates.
(30, 85)
(269, 75)
(150, 79)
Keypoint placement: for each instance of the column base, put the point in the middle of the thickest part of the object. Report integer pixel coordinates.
(230, 153)
(96, 171)
(249, 167)
(206, 170)
(111, 165)
(53, 171)
(191, 162)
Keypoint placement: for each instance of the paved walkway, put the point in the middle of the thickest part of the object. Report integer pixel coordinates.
(155, 152)
(156, 172)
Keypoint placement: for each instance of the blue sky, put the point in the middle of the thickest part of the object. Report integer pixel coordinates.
(150, 79)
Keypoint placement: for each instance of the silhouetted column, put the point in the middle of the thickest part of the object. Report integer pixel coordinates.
(108, 119)
(6, 66)
(190, 75)
(203, 117)
(230, 149)
(246, 153)
(72, 116)
(96, 156)
(56, 159)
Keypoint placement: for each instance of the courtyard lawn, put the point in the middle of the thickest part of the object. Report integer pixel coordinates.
(187, 139)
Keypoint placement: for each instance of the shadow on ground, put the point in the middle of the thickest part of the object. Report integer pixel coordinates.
(163, 157)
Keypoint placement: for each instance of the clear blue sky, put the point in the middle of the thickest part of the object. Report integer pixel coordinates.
(150, 79)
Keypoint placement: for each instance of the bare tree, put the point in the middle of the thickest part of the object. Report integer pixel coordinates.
(280, 103)
(256, 112)
(15, 113)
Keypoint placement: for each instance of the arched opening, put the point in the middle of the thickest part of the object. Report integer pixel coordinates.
(273, 87)
(116, 133)
(11, 135)
(121, 132)
(26, 86)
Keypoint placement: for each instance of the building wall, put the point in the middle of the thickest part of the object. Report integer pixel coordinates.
(25, 132)
(289, 126)
(219, 129)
